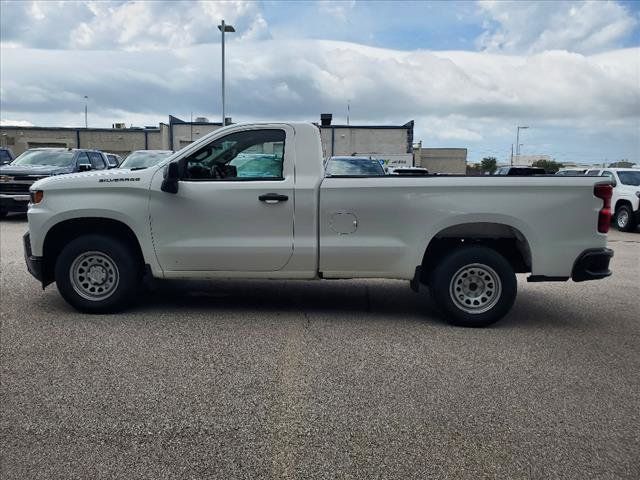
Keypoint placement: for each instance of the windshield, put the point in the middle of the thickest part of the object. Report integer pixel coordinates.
(53, 158)
(354, 166)
(630, 178)
(144, 159)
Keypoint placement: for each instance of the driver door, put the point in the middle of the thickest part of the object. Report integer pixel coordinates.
(234, 207)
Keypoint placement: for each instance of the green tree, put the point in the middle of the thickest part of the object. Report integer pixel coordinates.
(550, 166)
(474, 169)
(489, 164)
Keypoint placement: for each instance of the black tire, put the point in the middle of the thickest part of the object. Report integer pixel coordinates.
(624, 219)
(3, 213)
(488, 275)
(90, 259)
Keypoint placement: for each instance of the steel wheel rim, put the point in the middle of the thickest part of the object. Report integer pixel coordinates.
(94, 275)
(475, 288)
(623, 218)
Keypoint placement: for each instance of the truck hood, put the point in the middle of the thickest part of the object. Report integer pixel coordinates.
(119, 177)
(33, 170)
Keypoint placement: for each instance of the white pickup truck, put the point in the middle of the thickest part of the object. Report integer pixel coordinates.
(253, 201)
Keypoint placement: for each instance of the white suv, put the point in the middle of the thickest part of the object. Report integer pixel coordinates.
(626, 195)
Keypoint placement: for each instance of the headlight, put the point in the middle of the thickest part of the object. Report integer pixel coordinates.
(36, 196)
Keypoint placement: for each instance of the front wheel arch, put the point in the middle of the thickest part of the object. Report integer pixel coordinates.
(66, 231)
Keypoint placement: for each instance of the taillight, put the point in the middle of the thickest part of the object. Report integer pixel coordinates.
(604, 191)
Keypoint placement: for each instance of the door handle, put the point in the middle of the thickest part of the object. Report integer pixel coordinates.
(273, 198)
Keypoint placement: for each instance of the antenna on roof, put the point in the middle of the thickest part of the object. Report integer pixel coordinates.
(348, 110)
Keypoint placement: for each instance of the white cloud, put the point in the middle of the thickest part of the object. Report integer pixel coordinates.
(5, 122)
(338, 9)
(282, 78)
(552, 67)
(140, 25)
(583, 27)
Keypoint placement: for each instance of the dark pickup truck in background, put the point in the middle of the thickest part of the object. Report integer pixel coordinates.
(6, 155)
(37, 163)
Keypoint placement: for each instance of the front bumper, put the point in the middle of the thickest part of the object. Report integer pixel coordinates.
(592, 264)
(35, 265)
(14, 203)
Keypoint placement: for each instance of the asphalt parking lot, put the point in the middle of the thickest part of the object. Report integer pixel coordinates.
(334, 379)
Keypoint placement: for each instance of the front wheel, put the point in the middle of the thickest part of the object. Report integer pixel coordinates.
(473, 286)
(98, 274)
(624, 219)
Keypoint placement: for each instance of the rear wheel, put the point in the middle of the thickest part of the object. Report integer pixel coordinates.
(624, 219)
(98, 274)
(473, 286)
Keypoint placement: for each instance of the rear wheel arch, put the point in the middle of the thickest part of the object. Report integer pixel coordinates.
(505, 239)
(66, 231)
(622, 202)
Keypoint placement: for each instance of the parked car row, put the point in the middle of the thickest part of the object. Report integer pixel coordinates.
(625, 201)
(17, 175)
(626, 195)
(352, 166)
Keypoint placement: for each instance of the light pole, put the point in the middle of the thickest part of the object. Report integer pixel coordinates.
(86, 123)
(518, 141)
(224, 28)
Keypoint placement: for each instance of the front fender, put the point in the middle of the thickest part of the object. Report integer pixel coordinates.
(42, 220)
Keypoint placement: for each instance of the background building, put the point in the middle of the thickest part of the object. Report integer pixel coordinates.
(392, 143)
(530, 159)
(116, 140)
(181, 133)
(441, 160)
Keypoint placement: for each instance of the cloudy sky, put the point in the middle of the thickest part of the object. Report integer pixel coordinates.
(466, 72)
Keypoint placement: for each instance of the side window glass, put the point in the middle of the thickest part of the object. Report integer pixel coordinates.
(248, 155)
(83, 159)
(96, 160)
(593, 173)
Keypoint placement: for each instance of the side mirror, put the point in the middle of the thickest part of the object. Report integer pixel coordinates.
(84, 167)
(171, 177)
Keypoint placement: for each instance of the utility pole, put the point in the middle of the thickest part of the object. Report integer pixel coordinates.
(86, 122)
(348, 110)
(518, 141)
(511, 155)
(224, 28)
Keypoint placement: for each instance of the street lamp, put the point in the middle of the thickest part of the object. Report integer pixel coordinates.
(86, 123)
(517, 143)
(224, 28)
